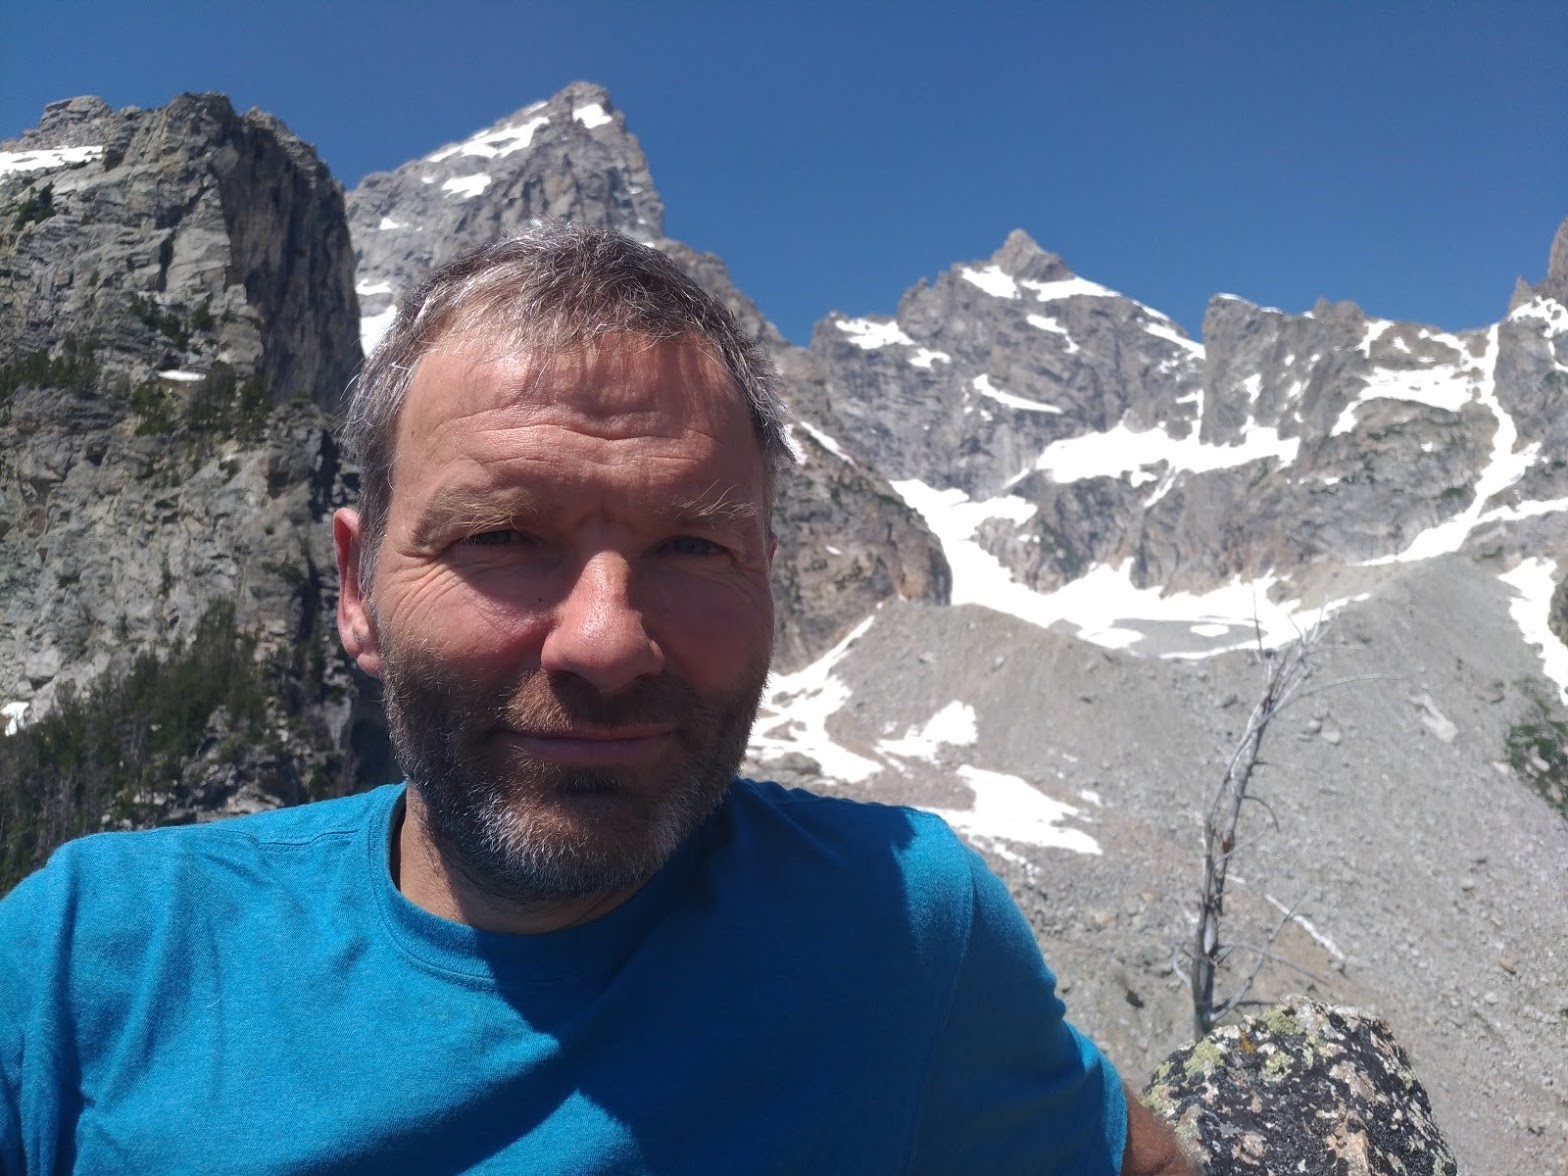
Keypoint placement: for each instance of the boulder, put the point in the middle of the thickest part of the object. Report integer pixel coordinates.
(1302, 1087)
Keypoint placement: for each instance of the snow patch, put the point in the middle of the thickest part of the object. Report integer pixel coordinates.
(495, 143)
(924, 358)
(953, 725)
(13, 713)
(366, 289)
(1122, 450)
(869, 335)
(373, 326)
(1160, 330)
(467, 186)
(992, 280)
(982, 385)
(826, 442)
(1074, 287)
(388, 223)
(1446, 386)
(1553, 313)
(591, 115)
(795, 710)
(1535, 580)
(181, 376)
(26, 161)
(1104, 606)
(1045, 323)
(1007, 808)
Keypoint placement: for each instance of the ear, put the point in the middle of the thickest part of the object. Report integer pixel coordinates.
(356, 625)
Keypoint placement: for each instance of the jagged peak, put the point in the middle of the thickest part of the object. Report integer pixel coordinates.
(1557, 262)
(70, 122)
(1021, 257)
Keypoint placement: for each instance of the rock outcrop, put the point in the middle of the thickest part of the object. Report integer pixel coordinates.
(1303, 1087)
(176, 308)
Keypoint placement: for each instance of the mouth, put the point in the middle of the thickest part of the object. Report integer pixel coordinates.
(592, 747)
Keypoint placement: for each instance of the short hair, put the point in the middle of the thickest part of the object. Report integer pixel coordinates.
(554, 289)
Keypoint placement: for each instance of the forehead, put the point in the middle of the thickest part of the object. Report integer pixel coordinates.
(622, 395)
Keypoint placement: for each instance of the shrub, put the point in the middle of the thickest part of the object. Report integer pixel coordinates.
(1537, 747)
(39, 206)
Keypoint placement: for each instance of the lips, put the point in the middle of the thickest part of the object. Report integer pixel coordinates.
(592, 746)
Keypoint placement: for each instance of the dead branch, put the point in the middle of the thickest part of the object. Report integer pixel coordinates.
(1284, 672)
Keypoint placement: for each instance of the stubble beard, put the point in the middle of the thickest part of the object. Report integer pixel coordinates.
(523, 829)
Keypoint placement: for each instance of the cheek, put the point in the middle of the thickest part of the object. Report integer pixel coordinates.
(438, 611)
(715, 632)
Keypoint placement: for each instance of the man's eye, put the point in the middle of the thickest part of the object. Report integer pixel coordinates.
(494, 538)
(692, 545)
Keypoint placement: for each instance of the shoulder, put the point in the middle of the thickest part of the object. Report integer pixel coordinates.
(857, 853)
(153, 851)
(114, 888)
(842, 831)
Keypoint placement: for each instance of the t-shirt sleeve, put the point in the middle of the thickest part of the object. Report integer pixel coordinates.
(1013, 1087)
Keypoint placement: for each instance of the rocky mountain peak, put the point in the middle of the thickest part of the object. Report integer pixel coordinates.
(1556, 283)
(183, 238)
(1021, 257)
(176, 303)
(71, 122)
(567, 158)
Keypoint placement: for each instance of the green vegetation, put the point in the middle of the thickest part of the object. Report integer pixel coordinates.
(165, 322)
(219, 406)
(38, 206)
(74, 369)
(1537, 746)
(92, 756)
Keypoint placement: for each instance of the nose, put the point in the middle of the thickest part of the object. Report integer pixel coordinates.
(597, 632)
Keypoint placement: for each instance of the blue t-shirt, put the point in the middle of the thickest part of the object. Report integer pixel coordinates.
(810, 985)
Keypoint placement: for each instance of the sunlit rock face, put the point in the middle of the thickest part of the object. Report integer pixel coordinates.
(176, 309)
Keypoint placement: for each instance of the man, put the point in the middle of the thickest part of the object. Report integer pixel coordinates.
(573, 943)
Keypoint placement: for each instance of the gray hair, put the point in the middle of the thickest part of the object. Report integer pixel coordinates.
(558, 288)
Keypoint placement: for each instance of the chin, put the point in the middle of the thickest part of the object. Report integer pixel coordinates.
(590, 835)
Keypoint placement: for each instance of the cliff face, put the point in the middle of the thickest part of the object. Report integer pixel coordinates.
(176, 305)
(1084, 430)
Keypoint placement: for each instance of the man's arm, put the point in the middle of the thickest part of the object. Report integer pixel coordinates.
(1151, 1149)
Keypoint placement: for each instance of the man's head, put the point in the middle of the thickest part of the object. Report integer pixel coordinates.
(560, 564)
(555, 290)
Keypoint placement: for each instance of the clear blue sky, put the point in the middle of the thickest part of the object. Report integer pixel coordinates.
(1412, 156)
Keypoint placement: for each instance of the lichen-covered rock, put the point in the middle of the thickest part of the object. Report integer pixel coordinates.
(1303, 1087)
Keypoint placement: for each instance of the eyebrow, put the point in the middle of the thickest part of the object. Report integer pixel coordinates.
(474, 509)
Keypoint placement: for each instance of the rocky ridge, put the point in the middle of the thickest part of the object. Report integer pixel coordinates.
(176, 308)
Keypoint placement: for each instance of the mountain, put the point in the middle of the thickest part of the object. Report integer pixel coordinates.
(1037, 539)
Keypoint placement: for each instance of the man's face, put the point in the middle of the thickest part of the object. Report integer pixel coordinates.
(570, 607)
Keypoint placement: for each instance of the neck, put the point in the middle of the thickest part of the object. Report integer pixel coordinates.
(430, 879)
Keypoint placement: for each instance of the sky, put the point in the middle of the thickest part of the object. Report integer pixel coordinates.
(1410, 156)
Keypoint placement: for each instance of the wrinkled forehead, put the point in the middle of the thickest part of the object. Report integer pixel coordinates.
(615, 372)
(617, 384)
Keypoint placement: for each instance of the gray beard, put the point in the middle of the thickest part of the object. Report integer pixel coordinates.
(524, 830)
